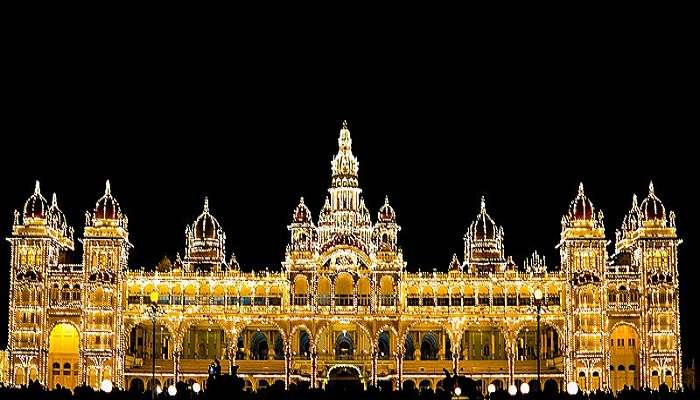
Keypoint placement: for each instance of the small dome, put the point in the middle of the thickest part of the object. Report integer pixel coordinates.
(107, 206)
(36, 206)
(386, 212)
(56, 217)
(581, 208)
(652, 209)
(484, 228)
(454, 264)
(302, 215)
(206, 226)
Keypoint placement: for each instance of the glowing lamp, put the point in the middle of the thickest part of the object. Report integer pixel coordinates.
(512, 390)
(524, 388)
(172, 390)
(538, 294)
(159, 390)
(572, 388)
(491, 388)
(106, 386)
(154, 297)
(196, 388)
(458, 391)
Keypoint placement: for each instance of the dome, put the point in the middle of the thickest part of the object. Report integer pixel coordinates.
(107, 207)
(386, 212)
(484, 228)
(302, 215)
(454, 264)
(36, 205)
(581, 208)
(56, 217)
(206, 226)
(652, 209)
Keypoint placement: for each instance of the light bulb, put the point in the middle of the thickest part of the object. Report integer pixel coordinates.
(512, 390)
(524, 388)
(106, 386)
(492, 388)
(572, 388)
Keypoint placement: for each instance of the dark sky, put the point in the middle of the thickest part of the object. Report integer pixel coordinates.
(254, 136)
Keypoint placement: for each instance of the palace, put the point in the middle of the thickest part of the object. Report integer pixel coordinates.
(344, 307)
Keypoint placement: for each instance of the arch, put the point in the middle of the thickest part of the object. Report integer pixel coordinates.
(386, 285)
(140, 342)
(624, 356)
(136, 385)
(259, 348)
(364, 291)
(344, 346)
(409, 347)
(64, 349)
(429, 347)
(324, 291)
(483, 342)
(344, 289)
(384, 345)
(425, 384)
(304, 343)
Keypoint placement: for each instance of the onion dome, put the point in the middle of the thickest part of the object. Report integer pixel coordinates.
(581, 208)
(484, 228)
(206, 226)
(107, 207)
(386, 212)
(344, 166)
(56, 217)
(455, 266)
(364, 213)
(302, 215)
(325, 215)
(36, 206)
(233, 263)
(652, 209)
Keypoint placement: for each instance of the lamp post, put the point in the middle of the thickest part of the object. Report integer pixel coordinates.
(153, 312)
(538, 303)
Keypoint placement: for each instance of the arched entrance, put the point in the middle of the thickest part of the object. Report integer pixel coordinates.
(64, 344)
(344, 347)
(624, 358)
(344, 378)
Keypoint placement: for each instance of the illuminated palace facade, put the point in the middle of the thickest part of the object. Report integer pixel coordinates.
(344, 305)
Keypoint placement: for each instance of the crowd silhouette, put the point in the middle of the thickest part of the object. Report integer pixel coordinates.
(230, 386)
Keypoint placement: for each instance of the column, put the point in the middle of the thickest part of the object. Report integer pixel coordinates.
(373, 379)
(399, 368)
(176, 364)
(314, 366)
(287, 366)
(455, 359)
(511, 364)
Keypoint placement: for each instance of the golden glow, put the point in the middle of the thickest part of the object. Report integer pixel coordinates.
(344, 301)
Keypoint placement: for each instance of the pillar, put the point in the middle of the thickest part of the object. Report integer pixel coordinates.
(399, 367)
(287, 365)
(314, 367)
(373, 379)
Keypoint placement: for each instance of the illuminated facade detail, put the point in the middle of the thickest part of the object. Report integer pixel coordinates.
(343, 304)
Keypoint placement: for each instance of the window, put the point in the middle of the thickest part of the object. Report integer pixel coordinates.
(468, 301)
(456, 301)
(300, 300)
(66, 369)
(56, 369)
(412, 301)
(632, 367)
(620, 342)
(631, 342)
(443, 301)
(428, 301)
(275, 301)
(612, 342)
(620, 367)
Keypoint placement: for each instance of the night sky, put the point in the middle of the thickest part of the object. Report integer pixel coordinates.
(435, 140)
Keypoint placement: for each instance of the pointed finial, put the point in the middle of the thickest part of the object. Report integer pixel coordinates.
(54, 202)
(386, 199)
(580, 189)
(345, 124)
(37, 189)
(206, 204)
(301, 200)
(483, 204)
(634, 201)
(651, 187)
(108, 188)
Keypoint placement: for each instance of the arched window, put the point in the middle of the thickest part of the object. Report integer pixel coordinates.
(56, 369)
(620, 367)
(66, 369)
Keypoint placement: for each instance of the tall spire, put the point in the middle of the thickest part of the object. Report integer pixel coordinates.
(37, 189)
(54, 202)
(344, 164)
(483, 205)
(634, 202)
(651, 188)
(108, 188)
(206, 204)
(580, 189)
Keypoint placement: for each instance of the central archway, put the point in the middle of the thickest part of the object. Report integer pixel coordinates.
(344, 378)
(64, 352)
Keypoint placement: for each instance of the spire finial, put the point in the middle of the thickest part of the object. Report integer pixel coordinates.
(580, 189)
(108, 188)
(37, 189)
(345, 124)
(206, 204)
(651, 187)
(54, 202)
(483, 204)
(386, 199)
(634, 201)
(301, 200)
